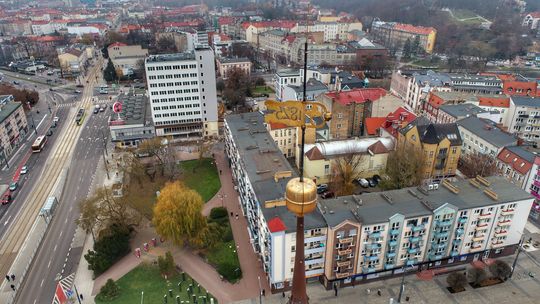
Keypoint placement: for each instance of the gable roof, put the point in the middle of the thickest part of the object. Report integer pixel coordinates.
(519, 159)
(314, 154)
(356, 95)
(500, 102)
(373, 124)
(116, 44)
(431, 133)
(378, 148)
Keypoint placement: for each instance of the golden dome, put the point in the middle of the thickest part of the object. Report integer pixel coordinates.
(301, 196)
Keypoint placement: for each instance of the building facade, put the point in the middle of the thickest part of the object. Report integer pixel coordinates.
(13, 126)
(182, 90)
(126, 58)
(133, 124)
(482, 135)
(226, 65)
(523, 117)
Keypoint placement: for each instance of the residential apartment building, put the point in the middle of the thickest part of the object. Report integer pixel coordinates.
(260, 173)
(476, 84)
(440, 145)
(332, 30)
(182, 91)
(314, 88)
(377, 235)
(360, 238)
(349, 110)
(482, 135)
(73, 61)
(390, 124)
(452, 113)
(333, 54)
(394, 35)
(283, 78)
(523, 117)
(284, 137)
(370, 153)
(335, 79)
(126, 58)
(494, 104)
(13, 126)
(225, 65)
(436, 99)
(531, 20)
(518, 165)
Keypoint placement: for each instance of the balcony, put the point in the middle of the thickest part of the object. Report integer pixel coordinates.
(481, 226)
(318, 260)
(479, 238)
(535, 194)
(392, 243)
(435, 256)
(394, 231)
(507, 212)
(485, 215)
(445, 223)
(371, 257)
(437, 246)
(456, 242)
(454, 253)
(375, 235)
(368, 269)
(315, 238)
(411, 262)
(344, 252)
(476, 246)
(504, 223)
(342, 275)
(314, 272)
(314, 250)
(462, 220)
(373, 246)
(459, 231)
(501, 232)
(390, 254)
(441, 234)
(388, 266)
(344, 264)
(414, 239)
(496, 243)
(412, 250)
(417, 228)
(346, 240)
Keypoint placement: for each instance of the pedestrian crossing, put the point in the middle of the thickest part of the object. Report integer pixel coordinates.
(64, 289)
(73, 104)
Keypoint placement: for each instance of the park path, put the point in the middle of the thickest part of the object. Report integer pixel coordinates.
(194, 265)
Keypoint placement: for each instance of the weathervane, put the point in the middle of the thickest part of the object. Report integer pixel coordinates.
(300, 194)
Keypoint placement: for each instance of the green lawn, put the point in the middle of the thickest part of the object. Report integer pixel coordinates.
(146, 278)
(261, 90)
(463, 14)
(202, 177)
(224, 256)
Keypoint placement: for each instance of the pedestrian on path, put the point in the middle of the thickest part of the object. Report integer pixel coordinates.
(12, 286)
(368, 291)
(264, 292)
(7, 277)
(220, 172)
(232, 214)
(13, 277)
(237, 216)
(283, 294)
(81, 296)
(379, 292)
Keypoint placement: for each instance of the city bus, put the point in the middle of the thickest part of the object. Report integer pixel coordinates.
(80, 116)
(39, 143)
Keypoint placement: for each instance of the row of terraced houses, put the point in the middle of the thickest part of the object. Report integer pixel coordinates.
(352, 239)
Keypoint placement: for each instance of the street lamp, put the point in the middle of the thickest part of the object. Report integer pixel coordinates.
(142, 297)
(520, 247)
(402, 286)
(260, 290)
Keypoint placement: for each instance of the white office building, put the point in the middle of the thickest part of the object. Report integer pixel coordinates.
(182, 91)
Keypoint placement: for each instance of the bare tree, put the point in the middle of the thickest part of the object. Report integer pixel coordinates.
(346, 169)
(164, 157)
(476, 275)
(457, 281)
(403, 168)
(474, 164)
(500, 269)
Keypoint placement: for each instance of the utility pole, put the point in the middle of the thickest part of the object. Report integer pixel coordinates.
(106, 166)
(260, 290)
(104, 142)
(520, 245)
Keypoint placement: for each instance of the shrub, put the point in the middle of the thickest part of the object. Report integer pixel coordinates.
(456, 280)
(227, 234)
(109, 291)
(166, 263)
(500, 269)
(260, 81)
(218, 213)
(476, 275)
(229, 271)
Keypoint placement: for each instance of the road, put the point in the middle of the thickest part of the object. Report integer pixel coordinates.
(59, 158)
(58, 256)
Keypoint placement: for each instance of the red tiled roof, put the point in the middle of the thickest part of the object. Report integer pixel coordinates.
(39, 22)
(501, 102)
(226, 20)
(117, 44)
(277, 126)
(287, 24)
(517, 163)
(357, 95)
(373, 124)
(398, 119)
(535, 14)
(276, 225)
(420, 30)
(47, 38)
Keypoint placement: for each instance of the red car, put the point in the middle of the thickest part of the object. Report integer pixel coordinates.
(6, 199)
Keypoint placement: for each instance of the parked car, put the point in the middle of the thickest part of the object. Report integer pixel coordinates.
(363, 182)
(96, 110)
(377, 178)
(322, 188)
(78, 91)
(51, 89)
(80, 85)
(102, 109)
(50, 132)
(6, 199)
(24, 170)
(56, 119)
(372, 182)
(50, 73)
(13, 186)
(327, 194)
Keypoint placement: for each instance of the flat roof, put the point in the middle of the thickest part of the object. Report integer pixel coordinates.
(488, 131)
(7, 109)
(461, 110)
(134, 110)
(170, 57)
(373, 208)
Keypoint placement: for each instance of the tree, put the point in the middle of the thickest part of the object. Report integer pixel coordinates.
(177, 214)
(346, 169)
(259, 81)
(220, 85)
(163, 154)
(415, 45)
(140, 72)
(165, 44)
(403, 168)
(109, 74)
(109, 291)
(237, 87)
(166, 264)
(500, 269)
(108, 249)
(23, 96)
(407, 49)
(473, 164)
(456, 280)
(476, 275)
(103, 209)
